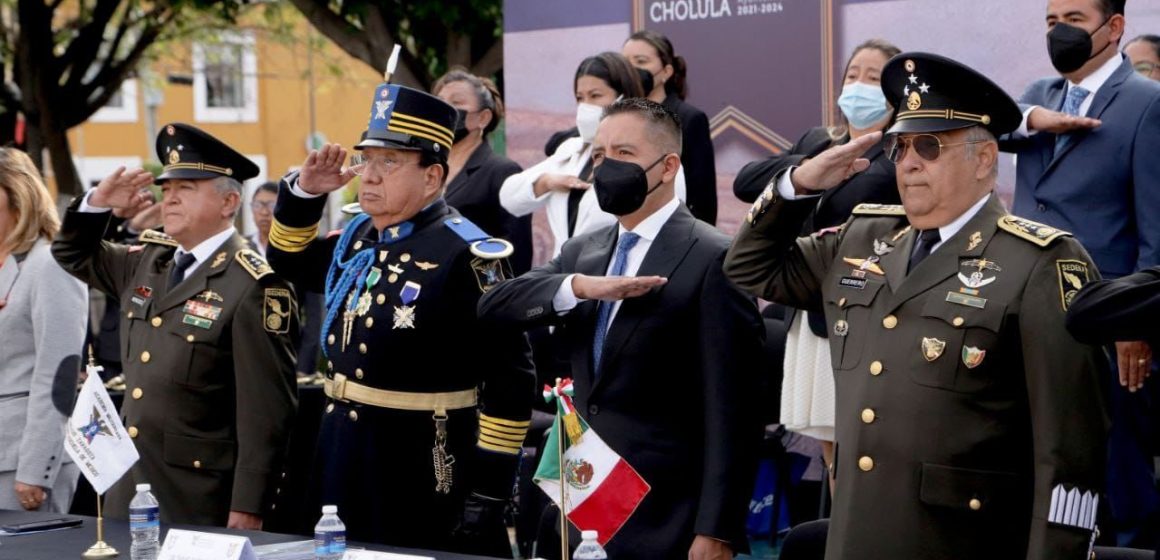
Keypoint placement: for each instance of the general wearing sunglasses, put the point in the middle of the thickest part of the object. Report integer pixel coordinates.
(927, 146)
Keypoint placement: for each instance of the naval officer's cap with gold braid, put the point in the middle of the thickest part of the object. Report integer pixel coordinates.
(933, 93)
(407, 119)
(191, 153)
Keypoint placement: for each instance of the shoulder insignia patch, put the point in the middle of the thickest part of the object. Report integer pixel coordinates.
(1073, 275)
(276, 310)
(253, 263)
(489, 272)
(879, 210)
(1028, 230)
(482, 245)
(154, 236)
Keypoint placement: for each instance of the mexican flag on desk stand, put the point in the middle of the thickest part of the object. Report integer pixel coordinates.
(601, 488)
(95, 438)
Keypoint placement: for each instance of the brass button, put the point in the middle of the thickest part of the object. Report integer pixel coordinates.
(357, 245)
(867, 415)
(196, 464)
(129, 315)
(145, 357)
(330, 339)
(330, 408)
(393, 278)
(381, 299)
(362, 348)
(975, 504)
(405, 257)
(278, 491)
(358, 372)
(353, 416)
(133, 431)
(370, 322)
(890, 321)
(138, 393)
(842, 302)
(866, 463)
(156, 321)
(875, 367)
(189, 338)
(958, 321)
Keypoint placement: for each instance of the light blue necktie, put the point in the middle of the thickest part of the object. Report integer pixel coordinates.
(604, 310)
(1071, 105)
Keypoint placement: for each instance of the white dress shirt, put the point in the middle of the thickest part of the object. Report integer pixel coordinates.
(565, 299)
(1092, 83)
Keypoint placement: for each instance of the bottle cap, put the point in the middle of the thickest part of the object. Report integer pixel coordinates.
(329, 509)
(589, 535)
(144, 488)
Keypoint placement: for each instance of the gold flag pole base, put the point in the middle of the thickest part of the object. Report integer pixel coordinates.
(100, 549)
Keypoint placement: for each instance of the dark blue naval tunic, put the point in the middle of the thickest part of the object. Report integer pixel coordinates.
(426, 404)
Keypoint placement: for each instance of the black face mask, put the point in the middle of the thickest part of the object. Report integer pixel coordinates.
(1070, 47)
(461, 130)
(622, 186)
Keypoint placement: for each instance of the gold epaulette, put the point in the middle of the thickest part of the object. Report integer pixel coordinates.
(154, 236)
(253, 263)
(1028, 230)
(502, 435)
(879, 210)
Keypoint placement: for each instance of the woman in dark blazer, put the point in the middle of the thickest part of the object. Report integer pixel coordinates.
(807, 396)
(476, 173)
(653, 53)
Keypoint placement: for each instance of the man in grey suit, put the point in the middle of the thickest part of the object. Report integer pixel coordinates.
(1087, 164)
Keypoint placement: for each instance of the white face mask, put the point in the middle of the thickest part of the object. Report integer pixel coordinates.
(587, 119)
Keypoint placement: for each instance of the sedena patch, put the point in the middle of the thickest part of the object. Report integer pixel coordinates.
(1073, 275)
(277, 308)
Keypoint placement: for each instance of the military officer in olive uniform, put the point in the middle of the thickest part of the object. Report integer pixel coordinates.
(427, 407)
(970, 424)
(208, 333)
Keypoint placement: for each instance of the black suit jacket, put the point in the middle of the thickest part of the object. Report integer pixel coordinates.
(697, 159)
(475, 193)
(673, 397)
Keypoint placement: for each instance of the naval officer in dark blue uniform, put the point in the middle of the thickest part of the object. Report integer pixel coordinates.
(427, 409)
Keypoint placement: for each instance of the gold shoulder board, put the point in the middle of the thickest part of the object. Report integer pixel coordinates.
(253, 263)
(154, 236)
(879, 210)
(1028, 230)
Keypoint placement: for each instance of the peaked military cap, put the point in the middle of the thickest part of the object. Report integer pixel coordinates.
(934, 93)
(407, 119)
(191, 153)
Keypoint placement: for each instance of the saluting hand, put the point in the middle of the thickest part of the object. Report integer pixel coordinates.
(614, 288)
(833, 166)
(323, 172)
(1046, 120)
(123, 190)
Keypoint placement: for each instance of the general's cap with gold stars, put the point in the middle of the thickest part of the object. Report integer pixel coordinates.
(191, 153)
(407, 119)
(933, 93)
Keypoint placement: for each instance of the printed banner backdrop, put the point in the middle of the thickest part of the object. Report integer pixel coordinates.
(764, 71)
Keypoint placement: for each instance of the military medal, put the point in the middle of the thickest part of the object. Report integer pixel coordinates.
(424, 265)
(972, 356)
(383, 256)
(868, 264)
(405, 314)
(209, 296)
(932, 348)
(881, 248)
(975, 240)
(841, 328)
(218, 260)
(976, 280)
(203, 310)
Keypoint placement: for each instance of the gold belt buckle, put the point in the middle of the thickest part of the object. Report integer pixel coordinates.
(339, 392)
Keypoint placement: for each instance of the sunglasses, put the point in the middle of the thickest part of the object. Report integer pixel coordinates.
(927, 146)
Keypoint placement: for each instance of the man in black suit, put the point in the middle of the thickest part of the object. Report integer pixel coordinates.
(661, 344)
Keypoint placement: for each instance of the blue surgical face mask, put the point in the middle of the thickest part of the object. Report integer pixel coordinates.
(863, 104)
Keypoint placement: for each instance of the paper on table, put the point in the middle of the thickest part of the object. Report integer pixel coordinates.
(195, 545)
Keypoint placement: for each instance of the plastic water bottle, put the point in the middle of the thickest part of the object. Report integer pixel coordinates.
(144, 525)
(589, 548)
(329, 535)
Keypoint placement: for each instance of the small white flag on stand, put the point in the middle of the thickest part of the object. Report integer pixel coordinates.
(95, 438)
